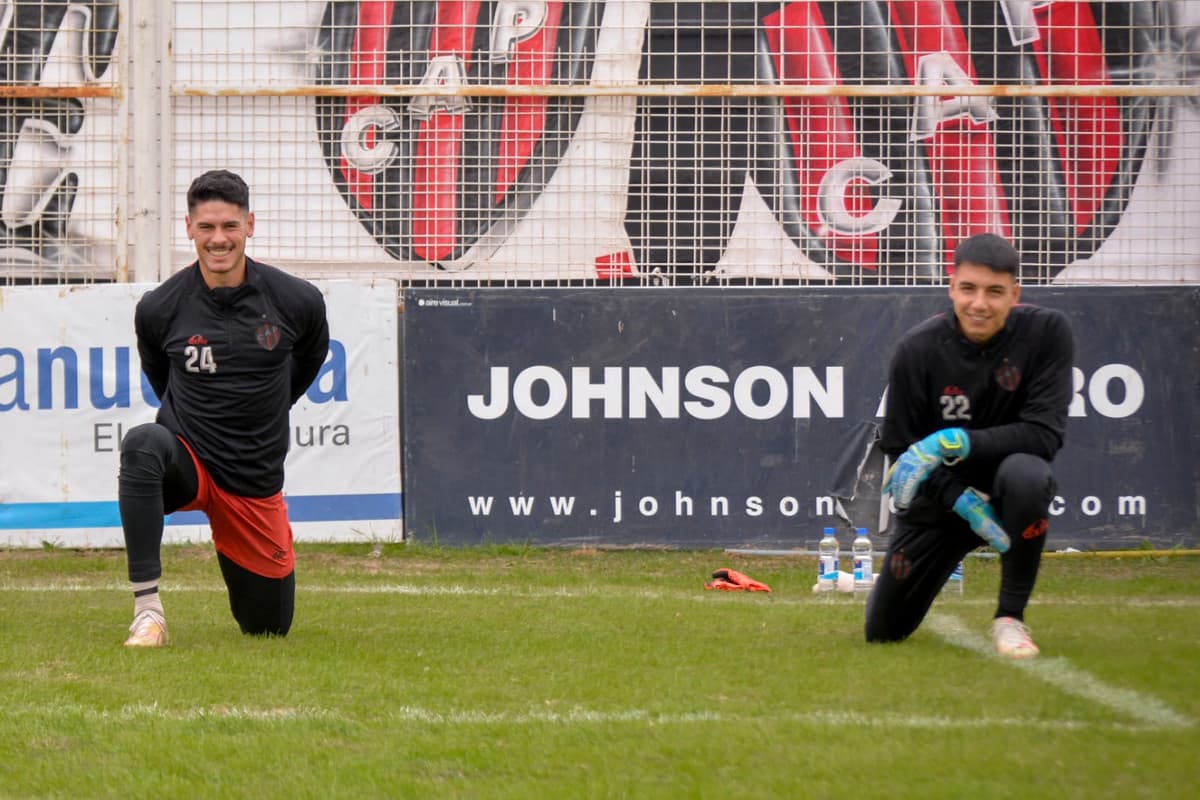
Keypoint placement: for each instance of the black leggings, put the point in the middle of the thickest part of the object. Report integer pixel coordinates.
(158, 477)
(920, 558)
(261, 605)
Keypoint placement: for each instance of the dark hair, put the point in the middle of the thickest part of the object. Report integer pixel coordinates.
(218, 184)
(988, 250)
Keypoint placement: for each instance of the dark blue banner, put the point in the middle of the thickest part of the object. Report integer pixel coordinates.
(738, 417)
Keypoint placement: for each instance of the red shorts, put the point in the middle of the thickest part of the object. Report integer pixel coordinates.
(252, 532)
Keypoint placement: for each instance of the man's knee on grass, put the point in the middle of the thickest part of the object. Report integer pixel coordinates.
(261, 606)
(883, 627)
(272, 618)
(889, 617)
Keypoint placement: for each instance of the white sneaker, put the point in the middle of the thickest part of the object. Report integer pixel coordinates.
(1011, 638)
(149, 629)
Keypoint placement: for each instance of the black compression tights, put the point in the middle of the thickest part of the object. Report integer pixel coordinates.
(157, 477)
(261, 605)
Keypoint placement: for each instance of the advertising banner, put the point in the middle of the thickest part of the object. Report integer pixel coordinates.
(71, 384)
(725, 417)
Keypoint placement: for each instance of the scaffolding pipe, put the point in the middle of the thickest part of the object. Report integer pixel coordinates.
(145, 241)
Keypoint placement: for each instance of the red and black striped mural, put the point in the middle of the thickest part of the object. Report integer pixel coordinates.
(430, 176)
(874, 186)
(866, 184)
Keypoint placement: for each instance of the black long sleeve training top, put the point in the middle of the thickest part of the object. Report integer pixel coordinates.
(1011, 393)
(229, 363)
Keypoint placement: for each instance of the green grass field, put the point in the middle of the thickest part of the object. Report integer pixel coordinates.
(516, 673)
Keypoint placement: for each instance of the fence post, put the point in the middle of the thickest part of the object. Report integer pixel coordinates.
(149, 137)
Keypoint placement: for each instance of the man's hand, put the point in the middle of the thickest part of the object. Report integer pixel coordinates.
(979, 513)
(947, 446)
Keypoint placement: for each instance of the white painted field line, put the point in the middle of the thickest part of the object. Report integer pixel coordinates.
(1060, 673)
(441, 590)
(156, 711)
(569, 717)
(820, 719)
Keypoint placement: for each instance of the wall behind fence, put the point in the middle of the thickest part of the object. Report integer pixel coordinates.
(607, 142)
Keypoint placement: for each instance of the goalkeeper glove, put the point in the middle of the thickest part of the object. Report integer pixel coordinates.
(947, 446)
(980, 515)
(730, 580)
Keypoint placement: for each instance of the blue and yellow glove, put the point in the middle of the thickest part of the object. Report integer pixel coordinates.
(980, 515)
(947, 446)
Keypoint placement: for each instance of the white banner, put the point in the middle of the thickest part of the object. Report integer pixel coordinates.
(71, 384)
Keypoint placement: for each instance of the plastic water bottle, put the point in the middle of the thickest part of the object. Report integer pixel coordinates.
(864, 565)
(955, 584)
(827, 562)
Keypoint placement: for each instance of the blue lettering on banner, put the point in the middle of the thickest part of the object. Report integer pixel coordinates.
(106, 514)
(64, 362)
(54, 377)
(333, 374)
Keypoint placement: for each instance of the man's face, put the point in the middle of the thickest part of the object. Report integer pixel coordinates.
(220, 231)
(982, 299)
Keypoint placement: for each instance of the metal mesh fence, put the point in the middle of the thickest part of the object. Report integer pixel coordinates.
(60, 171)
(602, 143)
